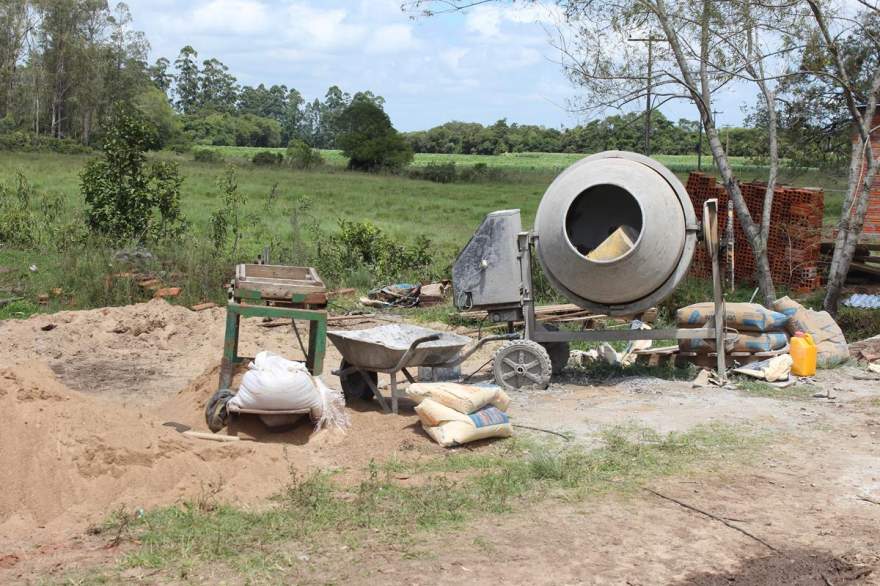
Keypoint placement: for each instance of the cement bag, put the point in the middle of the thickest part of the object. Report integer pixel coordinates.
(450, 428)
(462, 398)
(831, 346)
(744, 342)
(749, 317)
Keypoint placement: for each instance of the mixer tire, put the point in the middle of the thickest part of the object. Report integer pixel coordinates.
(522, 364)
(559, 351)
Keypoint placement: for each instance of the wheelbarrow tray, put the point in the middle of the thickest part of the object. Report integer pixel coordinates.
(382, 348)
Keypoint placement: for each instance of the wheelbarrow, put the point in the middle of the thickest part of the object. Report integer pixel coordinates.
(392, 349)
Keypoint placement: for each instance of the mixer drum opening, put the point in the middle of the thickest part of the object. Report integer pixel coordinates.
(604, 223)
(615, 233)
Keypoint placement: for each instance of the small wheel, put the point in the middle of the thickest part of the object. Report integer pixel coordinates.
(216, 414)
(354, 385)
(522, 363)
(558, 351)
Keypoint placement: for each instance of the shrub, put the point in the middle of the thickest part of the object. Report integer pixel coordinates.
(30, 219)
(121, 191)
(368, 139)
(267, 159)
(228, 218)
(27, 142)
(436, 172)
(203, 155)
(301, 156)
(360, 246)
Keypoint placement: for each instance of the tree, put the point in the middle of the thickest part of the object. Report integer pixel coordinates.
(368, 139)
(160, 76)
(15, 25)
(698, 48)
(153, 105)
(218, 90)
(847, 60)
(122, 191)
(187, 80)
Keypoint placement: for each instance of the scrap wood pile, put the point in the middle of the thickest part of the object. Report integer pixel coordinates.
(795, 231)
(865, 265)
(404, 295)
(867, 353)
(566, 313)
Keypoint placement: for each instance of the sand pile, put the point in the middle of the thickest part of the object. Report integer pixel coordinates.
(130, 352)
(95, 401)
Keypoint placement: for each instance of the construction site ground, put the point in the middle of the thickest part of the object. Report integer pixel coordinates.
(95, 402)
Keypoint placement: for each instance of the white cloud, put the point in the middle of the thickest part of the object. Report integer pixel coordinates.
(240, 17)
(322, 29)
(391, 38)
(488, 20)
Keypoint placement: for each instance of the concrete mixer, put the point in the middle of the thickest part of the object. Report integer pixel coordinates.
(615, 234)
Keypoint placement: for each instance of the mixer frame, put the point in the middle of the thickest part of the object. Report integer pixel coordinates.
(536, 333)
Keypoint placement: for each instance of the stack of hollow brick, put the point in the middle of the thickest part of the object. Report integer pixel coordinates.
(795, 232)
(871, 230)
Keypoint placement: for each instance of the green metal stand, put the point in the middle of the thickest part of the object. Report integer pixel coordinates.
(317, 335)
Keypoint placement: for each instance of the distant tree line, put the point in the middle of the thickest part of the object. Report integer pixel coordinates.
(64, 63)
(616, 132)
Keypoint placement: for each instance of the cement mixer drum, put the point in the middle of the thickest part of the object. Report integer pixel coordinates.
(616, 233)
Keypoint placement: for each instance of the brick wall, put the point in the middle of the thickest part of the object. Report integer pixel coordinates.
(871, 231)
(795, 231)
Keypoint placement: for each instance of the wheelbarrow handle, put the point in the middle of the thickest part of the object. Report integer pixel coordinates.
(412, 348)
(476, 346)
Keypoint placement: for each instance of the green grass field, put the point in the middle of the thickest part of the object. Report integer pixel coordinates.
(511, 161)
(404, 208)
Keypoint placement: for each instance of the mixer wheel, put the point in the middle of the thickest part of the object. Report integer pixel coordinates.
(559, 351)
(522, 364)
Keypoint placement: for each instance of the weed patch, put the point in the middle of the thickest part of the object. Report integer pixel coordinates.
(316, 511)
(759, 388)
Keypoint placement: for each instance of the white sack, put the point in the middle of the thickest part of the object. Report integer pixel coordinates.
(273, 383)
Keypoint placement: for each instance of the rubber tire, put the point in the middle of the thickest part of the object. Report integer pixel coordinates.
(559, 351)
(533, 351)
(216, 415)
(354, 386)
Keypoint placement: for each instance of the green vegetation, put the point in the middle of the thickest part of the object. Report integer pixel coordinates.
(319, 511)
(293, 211)
(759, 388)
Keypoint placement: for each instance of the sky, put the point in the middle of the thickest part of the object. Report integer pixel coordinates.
(493, 61)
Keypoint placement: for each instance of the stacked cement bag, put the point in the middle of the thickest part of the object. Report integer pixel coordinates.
(754, 327)
(273, 383)
(831, 346)
(454, 414)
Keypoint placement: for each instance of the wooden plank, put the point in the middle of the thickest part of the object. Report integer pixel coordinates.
(211, 437)
(204, 306)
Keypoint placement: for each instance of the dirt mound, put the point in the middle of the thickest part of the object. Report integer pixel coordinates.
(129, 353)
(799, 568)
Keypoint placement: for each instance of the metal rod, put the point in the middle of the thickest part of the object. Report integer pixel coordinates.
(623, 335)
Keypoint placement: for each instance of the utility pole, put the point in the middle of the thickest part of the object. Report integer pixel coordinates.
(650, 39)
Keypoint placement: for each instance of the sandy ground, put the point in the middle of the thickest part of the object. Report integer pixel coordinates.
(97, 399)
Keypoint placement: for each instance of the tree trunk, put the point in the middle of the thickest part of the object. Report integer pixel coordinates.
(751, 230)
(852, 220)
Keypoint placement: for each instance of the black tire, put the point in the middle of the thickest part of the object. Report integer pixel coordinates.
(354, 385)
(522, 364)
(216, 415)
(559, 351)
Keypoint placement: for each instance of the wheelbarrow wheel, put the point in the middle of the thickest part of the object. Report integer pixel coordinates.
(216, 414)
(355, 385)
(522, 364)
